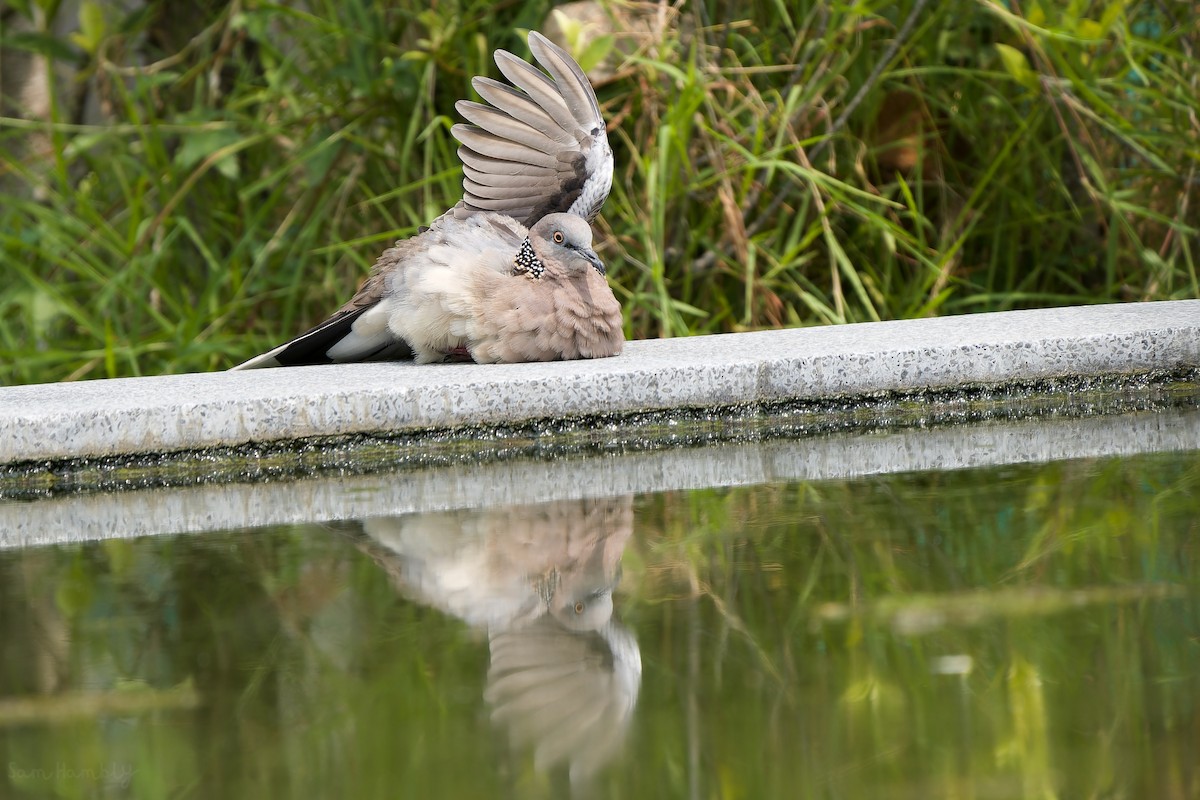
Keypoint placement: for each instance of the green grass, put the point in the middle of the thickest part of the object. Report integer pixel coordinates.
(778, 164)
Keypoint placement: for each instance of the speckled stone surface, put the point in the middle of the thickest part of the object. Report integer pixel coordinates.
(140, 415)
(219, 507)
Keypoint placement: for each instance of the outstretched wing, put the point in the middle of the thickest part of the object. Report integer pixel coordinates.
(568, 695)
(540, 146)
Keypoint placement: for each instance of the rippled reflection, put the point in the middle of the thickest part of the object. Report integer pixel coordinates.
(975, 633)
(539, 580)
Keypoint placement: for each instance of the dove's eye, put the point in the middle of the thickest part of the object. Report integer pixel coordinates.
(558, 237)
(579, 608)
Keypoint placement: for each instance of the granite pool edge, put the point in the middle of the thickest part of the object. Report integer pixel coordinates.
(135, 416)
(324, 499)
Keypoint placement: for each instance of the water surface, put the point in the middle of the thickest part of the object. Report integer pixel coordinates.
(1020, 631)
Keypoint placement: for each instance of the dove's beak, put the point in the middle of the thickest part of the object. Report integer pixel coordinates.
(593, 259)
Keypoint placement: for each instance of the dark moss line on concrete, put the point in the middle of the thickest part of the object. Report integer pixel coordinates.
(618, 433)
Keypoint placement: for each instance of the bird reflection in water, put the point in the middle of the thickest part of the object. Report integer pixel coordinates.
(538, 579)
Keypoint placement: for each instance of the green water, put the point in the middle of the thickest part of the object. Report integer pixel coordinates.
(1026, 631)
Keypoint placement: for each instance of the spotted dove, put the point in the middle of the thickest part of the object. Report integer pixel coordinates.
(508, 274)
(564, 673)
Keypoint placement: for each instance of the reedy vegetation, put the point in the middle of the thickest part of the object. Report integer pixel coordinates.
(777, 164)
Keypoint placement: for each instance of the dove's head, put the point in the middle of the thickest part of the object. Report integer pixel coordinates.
(565, 240)
(585, 611)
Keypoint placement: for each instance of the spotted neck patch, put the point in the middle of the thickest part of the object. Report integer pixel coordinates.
(526, 262)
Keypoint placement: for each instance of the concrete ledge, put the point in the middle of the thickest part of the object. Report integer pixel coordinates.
(126, 515)
(184, 412)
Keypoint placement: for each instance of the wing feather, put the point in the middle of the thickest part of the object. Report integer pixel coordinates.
(536, 146)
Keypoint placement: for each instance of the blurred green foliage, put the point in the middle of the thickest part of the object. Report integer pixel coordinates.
(205, 180)
(1025, 631)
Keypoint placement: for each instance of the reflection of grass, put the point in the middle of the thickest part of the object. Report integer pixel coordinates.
(777, 164)
(956, 660)
(923, 613)
(872, 540)
(773, 661)
(121, 702)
